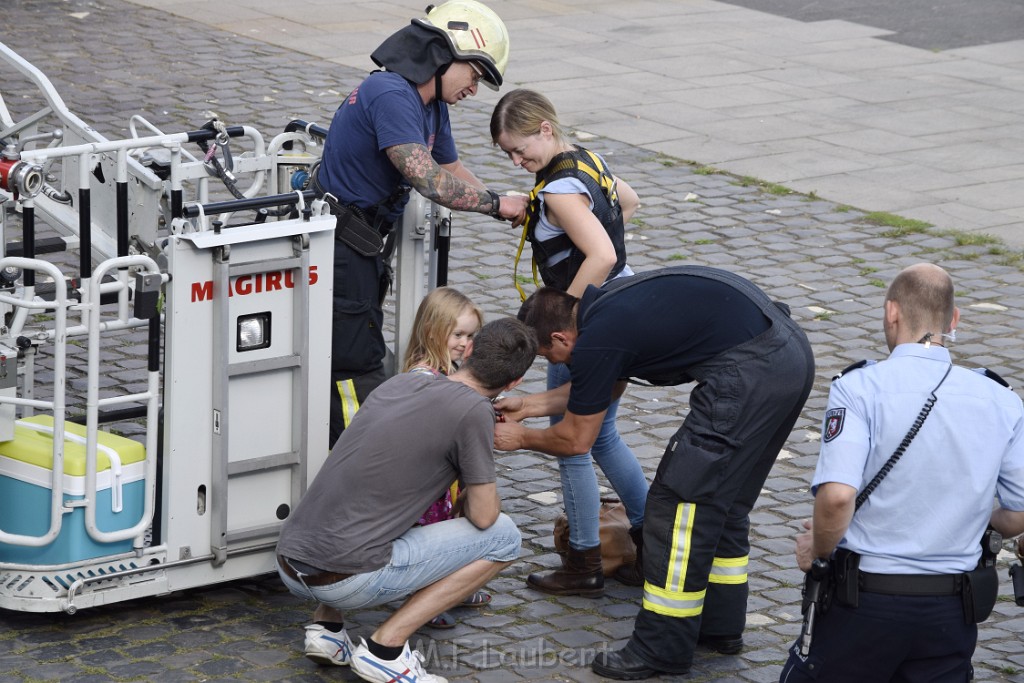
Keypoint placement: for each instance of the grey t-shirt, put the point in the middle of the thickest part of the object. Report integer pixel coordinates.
(408, 442)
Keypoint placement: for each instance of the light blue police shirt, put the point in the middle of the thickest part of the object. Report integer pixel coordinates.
(928, 515)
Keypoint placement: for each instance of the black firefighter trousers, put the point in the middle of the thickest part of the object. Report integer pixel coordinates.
(696, 540)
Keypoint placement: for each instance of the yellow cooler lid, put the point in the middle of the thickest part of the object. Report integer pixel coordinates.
(33, 444)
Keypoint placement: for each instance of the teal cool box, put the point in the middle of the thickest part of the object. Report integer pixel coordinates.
(26, 467)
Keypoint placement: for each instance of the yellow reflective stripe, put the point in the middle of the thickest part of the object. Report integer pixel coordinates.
(349, 401)
(673, 603)
(679, 555)
(670, 599)
(592, 172)
(729, 570)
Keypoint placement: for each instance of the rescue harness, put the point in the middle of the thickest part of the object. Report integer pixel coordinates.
(588, 168)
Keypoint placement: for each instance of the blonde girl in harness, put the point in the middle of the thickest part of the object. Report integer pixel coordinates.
(575, 225)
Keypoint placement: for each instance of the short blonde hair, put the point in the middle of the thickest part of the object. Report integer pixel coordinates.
(436, 318)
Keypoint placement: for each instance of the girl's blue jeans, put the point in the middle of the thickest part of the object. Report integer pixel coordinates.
(580, 492)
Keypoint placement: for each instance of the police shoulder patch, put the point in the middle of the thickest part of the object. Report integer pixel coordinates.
(834, 419)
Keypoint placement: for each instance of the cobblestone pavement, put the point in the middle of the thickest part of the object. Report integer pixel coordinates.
(827, 261)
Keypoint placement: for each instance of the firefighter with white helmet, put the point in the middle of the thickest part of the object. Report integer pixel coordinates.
(392, 134)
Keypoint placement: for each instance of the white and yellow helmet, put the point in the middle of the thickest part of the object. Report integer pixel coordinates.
(474, 33)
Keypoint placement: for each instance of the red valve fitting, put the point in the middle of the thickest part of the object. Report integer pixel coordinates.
(20, 177)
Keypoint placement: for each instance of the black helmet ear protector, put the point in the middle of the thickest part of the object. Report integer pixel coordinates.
(441, 70)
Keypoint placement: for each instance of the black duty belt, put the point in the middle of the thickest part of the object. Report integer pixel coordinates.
(911, 584)
(314, 577)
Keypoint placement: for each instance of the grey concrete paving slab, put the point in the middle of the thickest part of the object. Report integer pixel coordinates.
(842, 69)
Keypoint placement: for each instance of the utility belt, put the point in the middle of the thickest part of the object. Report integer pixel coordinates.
(977, 588)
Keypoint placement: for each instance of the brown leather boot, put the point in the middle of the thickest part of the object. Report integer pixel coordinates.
(581, 574)
(633, 574)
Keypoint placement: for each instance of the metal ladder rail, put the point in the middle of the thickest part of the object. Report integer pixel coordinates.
(224, 370)
(59, 307)
(150, 398)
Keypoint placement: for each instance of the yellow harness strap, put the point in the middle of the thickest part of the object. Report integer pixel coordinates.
(597, 172)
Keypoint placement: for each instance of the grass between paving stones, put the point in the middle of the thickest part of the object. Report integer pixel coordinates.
(770, 188)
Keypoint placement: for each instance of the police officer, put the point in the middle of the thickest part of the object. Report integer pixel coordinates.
(908, 611)
(754, 370)
(393, 133)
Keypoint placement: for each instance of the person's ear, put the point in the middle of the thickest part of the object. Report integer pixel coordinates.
(956, 320)
(892, 312)
(558, 337)
(546, 128)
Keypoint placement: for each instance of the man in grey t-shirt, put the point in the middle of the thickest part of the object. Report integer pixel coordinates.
(352, 540)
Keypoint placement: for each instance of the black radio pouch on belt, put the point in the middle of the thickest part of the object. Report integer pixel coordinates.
(353, 230)
(845, 572)
(981, 585)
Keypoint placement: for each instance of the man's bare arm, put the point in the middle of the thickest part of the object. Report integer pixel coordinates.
(833, 510)
(435, 183)
(574, 435)
(1009, 523)
(481, 504)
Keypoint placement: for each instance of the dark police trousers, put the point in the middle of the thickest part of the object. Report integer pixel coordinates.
(904, 638)
(696, 521)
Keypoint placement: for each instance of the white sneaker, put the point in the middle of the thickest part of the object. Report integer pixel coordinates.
(327, 648)
(408, 668)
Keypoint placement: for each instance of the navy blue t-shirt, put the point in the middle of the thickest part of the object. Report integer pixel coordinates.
(654, 330)
(383, 111)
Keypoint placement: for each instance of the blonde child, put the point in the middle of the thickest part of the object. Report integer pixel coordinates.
(442, 333)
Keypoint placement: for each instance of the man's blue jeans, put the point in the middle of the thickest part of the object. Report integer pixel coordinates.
(419, 557)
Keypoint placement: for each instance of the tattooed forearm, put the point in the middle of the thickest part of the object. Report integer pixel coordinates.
(435, 183)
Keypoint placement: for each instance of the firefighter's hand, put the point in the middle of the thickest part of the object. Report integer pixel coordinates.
(508, 436)
(805, 547)
(511, 408)
(513, 208)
